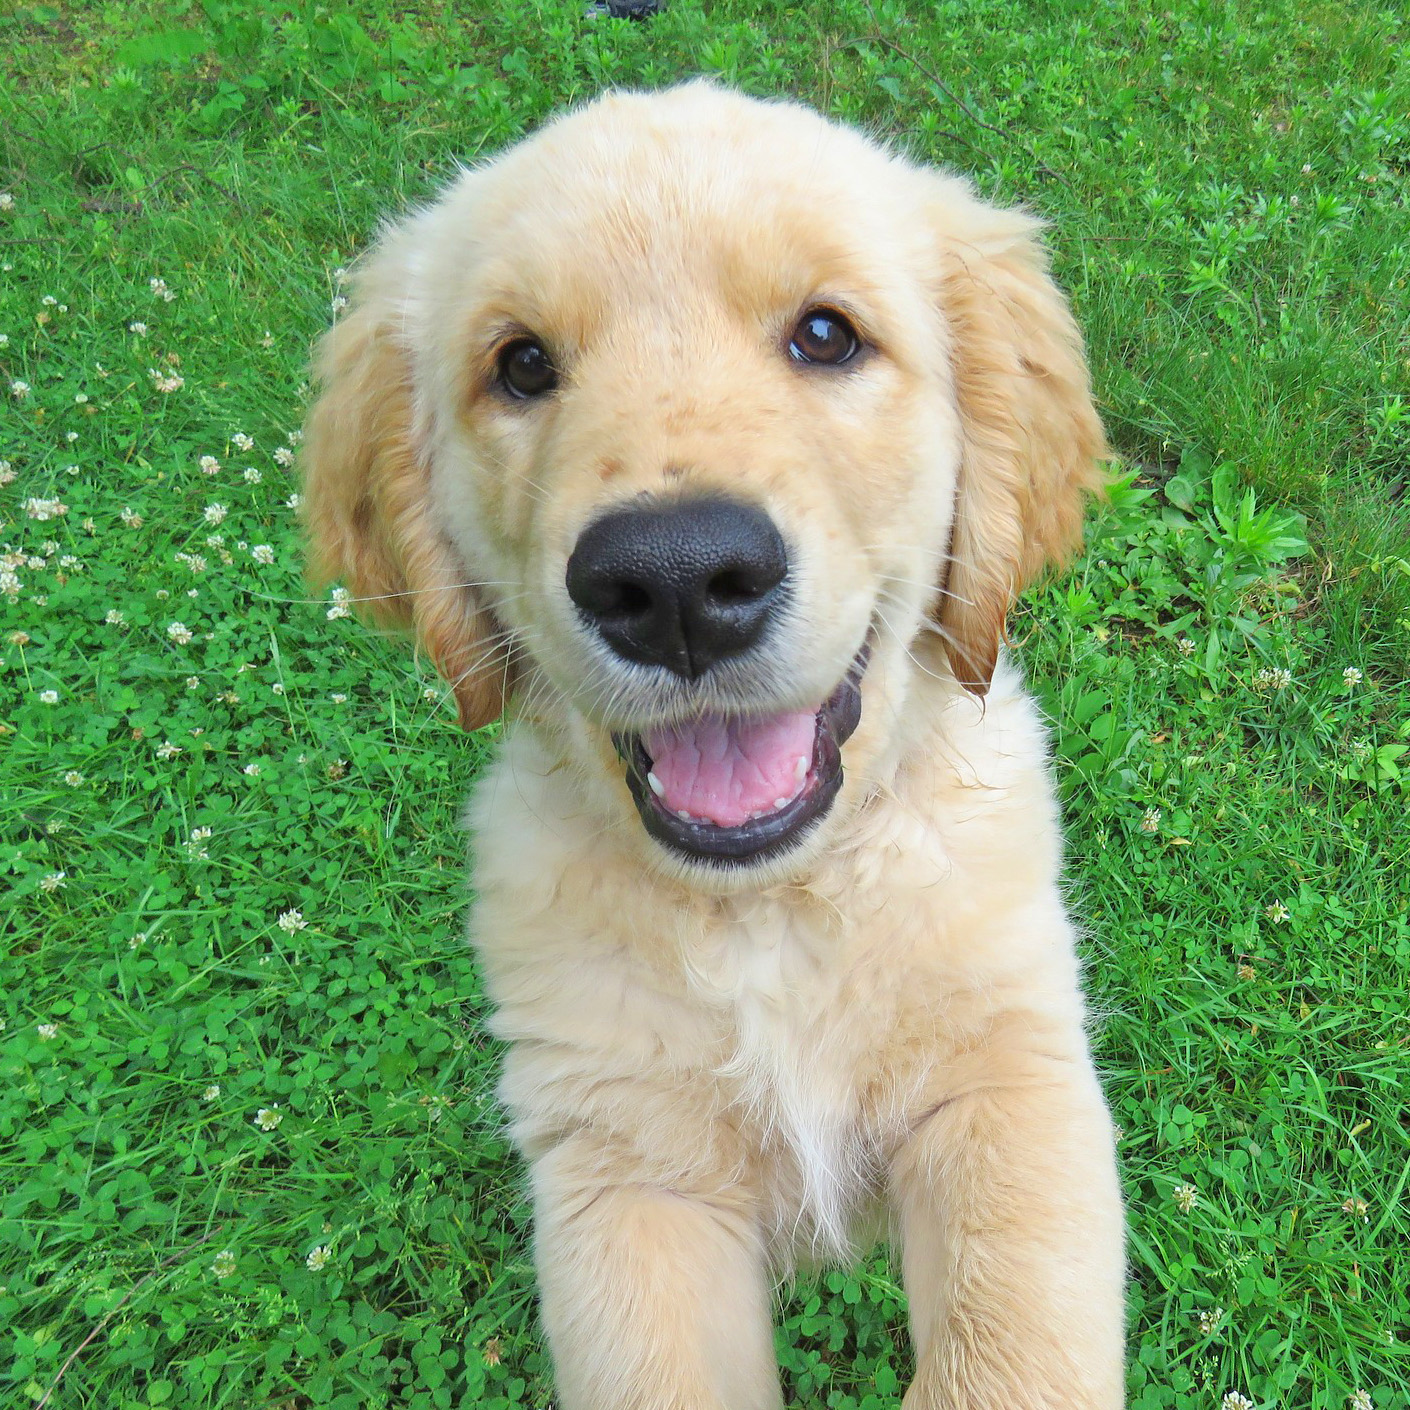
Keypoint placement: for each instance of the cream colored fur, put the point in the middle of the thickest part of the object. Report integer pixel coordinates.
(713, 1075)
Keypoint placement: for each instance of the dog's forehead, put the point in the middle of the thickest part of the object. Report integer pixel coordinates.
(695, 187)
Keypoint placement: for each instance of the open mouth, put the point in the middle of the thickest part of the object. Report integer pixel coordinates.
(737, 789)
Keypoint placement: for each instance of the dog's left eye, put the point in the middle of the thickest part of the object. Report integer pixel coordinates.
(824, 336)
(526, 370)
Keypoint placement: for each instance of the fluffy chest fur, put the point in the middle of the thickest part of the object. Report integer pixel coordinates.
(780, 1040)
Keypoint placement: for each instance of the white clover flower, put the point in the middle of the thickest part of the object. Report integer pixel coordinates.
(137, 940)
(7, 201)
(45, 509)
(214, 514)
(18, 638)
(1359, 1400)
(1351, 678)
(130, 517)
(268, 1117)
(251, 771)
(223, 1264)
(48, 697)
(79, 399)
(211, 1092)
(113, 618)
(209, 465)
(339, 303)
(338, 698)
(74, 779)
(430, 693)
(294, 500)
(10, 582)
(167, 750)
(159, 288)
(340, 608)
(1277, 912)
(318, 1258)
(71, 437)
(1357, 1208)
(165, 381)
(1150, 822)
(138, 327)
(1235, 1401)
(295, 438)
(53, 881)
(48, 1031)
(1185, 646)
(19, 389)
(262, 553)
(268, 340)
(180, 633)
(252, 476)
(1209, 1320)
(1273, 678)
(291, 922)
(283, 456)
(7, 473)
(1185, 1197)
(242, 442)
(277, 688)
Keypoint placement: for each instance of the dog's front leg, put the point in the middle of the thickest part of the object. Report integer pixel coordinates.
(1010, 1216)
(654, 1298)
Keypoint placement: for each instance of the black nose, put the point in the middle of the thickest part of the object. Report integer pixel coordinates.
(680, 585)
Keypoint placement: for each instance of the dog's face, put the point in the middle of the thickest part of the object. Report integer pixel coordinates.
(683, 420)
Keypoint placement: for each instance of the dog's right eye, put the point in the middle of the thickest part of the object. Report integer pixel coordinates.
(526, 370)
(824, 337)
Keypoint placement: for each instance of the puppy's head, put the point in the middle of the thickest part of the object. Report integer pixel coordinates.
(685, 421)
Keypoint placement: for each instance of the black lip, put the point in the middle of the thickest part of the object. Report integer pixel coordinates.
(760, 838)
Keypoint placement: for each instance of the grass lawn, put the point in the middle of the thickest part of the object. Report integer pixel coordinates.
(248, 1151)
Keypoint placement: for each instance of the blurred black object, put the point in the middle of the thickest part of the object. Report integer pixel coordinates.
(625, 9)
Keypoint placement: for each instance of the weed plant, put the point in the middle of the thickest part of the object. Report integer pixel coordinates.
(249, 1154)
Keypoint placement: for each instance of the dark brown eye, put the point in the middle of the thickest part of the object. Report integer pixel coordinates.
(526, 370)
(825, 337)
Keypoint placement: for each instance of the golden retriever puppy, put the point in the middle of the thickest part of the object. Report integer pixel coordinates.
(709, 442)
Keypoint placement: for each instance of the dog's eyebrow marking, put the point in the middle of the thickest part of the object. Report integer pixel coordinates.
(609, 469)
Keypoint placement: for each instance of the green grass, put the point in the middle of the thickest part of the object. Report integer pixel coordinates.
(1228, 187)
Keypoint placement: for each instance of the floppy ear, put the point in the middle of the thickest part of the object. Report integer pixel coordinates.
(367, 504)
(1032, 438)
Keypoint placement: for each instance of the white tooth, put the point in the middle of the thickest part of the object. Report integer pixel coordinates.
(800, 769)
(683, 815)
(781, 803)
(657, 787)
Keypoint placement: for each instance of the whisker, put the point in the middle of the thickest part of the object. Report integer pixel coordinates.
(385, 596)
(927, 587)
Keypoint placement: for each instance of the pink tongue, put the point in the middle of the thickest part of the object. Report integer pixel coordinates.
(724, 770)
